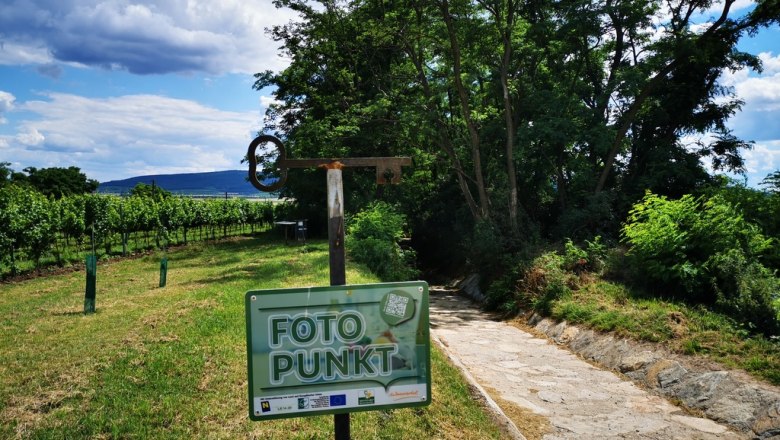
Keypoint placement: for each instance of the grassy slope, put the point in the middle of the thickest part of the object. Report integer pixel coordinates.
(613, 307)
(171, 362)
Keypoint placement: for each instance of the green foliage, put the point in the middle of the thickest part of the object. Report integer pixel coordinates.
(59, 182)
(373, 237)
(705, 250)
(32, 226)
(153, 192)
(25, 222)
(761, 208)
(590, 259)
(547, 281)
(485, 248)
(772, 182)
(511, 120)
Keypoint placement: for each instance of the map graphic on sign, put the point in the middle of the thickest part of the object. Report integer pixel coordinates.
(319, 350)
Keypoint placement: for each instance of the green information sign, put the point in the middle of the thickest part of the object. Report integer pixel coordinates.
(338, 349)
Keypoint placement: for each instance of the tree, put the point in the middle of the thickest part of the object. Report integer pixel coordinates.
(690, 62)
(5, 172)
(153, 192)
(772, 182)
(60, 182)
(583, 105)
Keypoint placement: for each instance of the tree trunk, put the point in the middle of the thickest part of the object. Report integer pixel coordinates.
(476, 156)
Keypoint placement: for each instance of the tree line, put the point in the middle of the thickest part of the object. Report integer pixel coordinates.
(523, 118)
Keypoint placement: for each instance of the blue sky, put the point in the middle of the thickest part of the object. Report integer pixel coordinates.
(122, 88)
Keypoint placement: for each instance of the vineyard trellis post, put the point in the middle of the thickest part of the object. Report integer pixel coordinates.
(91, 289)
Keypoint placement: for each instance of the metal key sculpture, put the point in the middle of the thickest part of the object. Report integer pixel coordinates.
(388, 169)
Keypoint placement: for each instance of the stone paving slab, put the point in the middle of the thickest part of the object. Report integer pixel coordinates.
(579, 400)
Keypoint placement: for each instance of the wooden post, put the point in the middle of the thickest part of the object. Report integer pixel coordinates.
(338, 276)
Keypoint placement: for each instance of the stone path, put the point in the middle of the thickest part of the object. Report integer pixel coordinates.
(579, 400)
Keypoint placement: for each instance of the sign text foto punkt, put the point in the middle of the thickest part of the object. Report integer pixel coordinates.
(345, 361)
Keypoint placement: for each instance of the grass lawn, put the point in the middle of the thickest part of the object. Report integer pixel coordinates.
(171, 362)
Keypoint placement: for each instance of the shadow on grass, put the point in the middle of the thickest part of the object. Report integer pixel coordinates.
(69, 313)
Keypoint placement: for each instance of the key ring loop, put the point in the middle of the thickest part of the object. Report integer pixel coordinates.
(252, 158)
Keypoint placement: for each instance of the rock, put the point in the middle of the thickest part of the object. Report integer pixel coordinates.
(470, 286)
(767, 424)
(534, 319)
(664, 373)
(568, 335)
(728, 397)
(551, 397)
(556, 330)
(671, 375)
(636, 361)
(702, 388)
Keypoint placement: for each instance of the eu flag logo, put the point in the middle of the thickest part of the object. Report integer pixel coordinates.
(338, 400)
(265, 406)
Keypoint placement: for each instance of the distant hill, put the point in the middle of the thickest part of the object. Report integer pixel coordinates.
(233, 182)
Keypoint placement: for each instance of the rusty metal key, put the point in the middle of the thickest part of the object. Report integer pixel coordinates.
(388, 169)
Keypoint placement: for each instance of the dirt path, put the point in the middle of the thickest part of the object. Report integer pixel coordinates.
(549, 392)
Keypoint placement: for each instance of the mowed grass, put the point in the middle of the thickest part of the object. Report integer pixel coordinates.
(171, 362)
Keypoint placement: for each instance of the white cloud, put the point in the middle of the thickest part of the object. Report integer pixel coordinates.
(31, 137)
(763, 159)
(762, 93)
(266, 101)
(31, 52)
(125, 136)
(758, 119)
(6, 105)
(6, 101)
(770, 64)
(144, 37)
(738, 5)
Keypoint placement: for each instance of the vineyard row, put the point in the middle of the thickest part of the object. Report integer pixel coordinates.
(34, 228)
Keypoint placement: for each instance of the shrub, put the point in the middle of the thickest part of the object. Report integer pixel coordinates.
(373, 239)
(590, 259)
(545, 281)
(704, 249)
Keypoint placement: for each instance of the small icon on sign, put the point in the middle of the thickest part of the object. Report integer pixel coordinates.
(367, 399)
(303, 402)
(265, 406)
(338, 400)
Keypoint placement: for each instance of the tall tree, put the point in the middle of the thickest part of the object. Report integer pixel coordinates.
(680, 52)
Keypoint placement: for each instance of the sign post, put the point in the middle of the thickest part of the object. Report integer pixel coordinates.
(388, 170)
(337, 260)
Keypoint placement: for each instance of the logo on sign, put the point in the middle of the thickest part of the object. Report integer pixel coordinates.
(265, 406)
(303, 403)
(367, 399)
(338, 400)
